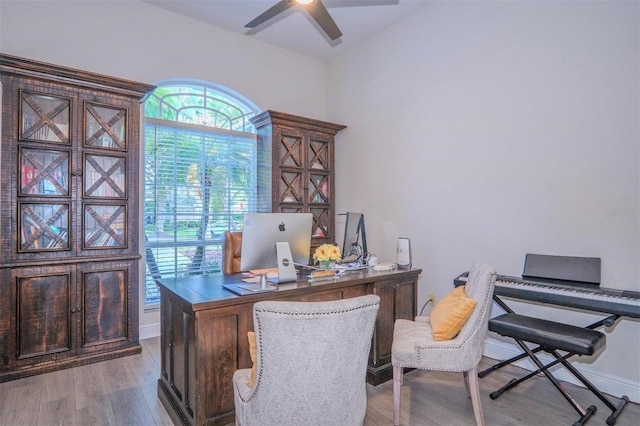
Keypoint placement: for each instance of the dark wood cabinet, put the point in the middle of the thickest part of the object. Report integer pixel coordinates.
(69, 217)
(296, 169)
(204, 334)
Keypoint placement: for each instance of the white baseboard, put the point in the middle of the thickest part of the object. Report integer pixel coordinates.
(610, 385)
(150, 330)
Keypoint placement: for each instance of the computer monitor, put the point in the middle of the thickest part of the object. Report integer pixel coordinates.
(354, 246)
(261, 232)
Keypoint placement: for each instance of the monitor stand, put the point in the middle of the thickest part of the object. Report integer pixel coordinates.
(286, 268)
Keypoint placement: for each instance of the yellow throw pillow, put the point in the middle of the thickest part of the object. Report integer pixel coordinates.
(450, 314)
(253, 354)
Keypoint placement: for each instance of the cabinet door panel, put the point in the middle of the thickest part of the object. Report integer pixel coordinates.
(291, 148)
(44, 172)
(43, 314)
(219, 338)
(105, 310)
(318, 188)
(383, 335)
(290, 187)
(105, 226)
(179, 347)
(44, 118)
(320, 152)
(105, 176)
(406, 300)
(397, 301)
(105, 126)
(321, 227)
(44, 227)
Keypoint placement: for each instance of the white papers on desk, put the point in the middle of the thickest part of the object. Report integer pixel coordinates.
(346, 267)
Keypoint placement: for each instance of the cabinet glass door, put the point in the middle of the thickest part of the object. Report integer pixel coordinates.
(291, 149)
(44, 118)
(104, 226)
(320, 228)
(290, 188)
(290, 155)
(44, 172)
(104, 176)
(43, 226)
(318, 188)
(105, 126)
(318, 154)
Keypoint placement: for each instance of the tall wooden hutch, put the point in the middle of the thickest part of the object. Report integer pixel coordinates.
(69, 188)
(296, 169)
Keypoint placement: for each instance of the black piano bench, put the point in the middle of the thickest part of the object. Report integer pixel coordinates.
(552, 337)
(549, 334)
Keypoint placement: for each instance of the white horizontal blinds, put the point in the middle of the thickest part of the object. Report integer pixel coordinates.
(264, 177)
(200, 177)
(198, 183)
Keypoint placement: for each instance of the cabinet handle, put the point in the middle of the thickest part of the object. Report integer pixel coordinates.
(73, 311)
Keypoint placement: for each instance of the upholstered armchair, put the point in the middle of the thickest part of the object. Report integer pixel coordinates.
(310, 363)
(414, 345)
(232, 252)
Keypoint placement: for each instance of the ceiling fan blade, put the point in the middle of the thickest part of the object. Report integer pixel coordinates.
(270, 13)
(322, 17)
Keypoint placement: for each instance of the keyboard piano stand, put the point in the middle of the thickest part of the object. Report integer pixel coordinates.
(585, 414)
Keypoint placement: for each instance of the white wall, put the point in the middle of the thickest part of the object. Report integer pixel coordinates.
(487, 130)
(141, 42)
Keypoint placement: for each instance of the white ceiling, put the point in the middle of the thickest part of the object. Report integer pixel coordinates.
(294, 29)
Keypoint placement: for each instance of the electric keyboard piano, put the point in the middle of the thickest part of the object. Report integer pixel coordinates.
(565, 281)
(591, 298)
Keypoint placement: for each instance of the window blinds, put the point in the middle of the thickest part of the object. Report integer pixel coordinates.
(198, 183)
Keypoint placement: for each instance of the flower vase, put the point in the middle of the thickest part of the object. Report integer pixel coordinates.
(327, 265)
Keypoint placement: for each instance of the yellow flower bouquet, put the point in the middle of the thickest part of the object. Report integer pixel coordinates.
(326, 254)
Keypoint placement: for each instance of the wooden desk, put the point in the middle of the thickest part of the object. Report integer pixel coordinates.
(204, 334)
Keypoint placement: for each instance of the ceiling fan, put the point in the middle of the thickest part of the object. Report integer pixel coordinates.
(316, 9)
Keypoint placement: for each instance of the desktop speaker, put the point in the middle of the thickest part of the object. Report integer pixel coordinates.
(403, 253)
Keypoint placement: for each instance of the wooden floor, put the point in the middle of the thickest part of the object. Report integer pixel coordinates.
(123, 392)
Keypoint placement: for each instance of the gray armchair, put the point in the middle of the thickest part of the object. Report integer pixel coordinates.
(414, 345)
(311, 363)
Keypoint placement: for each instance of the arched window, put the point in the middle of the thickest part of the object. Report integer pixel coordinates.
(199, 179)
